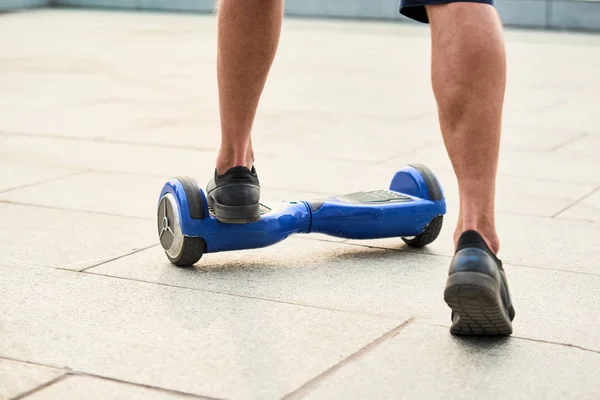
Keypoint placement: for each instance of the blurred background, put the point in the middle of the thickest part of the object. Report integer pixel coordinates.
(545, 14)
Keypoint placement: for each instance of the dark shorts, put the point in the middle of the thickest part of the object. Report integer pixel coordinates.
(415, 9)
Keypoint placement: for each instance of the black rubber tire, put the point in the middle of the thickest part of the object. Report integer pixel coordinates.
(429, 235)
(192, 251)
(194, 198)
(192, 248)
(433, 185)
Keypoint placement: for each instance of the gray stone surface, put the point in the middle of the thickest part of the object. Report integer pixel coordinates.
(148, 160)
(520, 195)
(586, 146)
(17, 378)
(525, 240)
(118, 194)
(85, 387)
(396, 284)
(587, 209)
(99, 108)
(101, 192)
(202, 343)
(447, 367)
(16, 176)
(285, 171)
(68, 239)
(526, 164)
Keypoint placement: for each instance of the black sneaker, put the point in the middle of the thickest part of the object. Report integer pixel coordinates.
(477, 290)
(234, 197)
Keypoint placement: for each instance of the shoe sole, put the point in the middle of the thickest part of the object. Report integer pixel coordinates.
(477, 303)
(236, 214)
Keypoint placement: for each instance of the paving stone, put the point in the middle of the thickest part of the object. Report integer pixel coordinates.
(120, 194)
(587, 147)
(200, 132)
(535, 61)
(526, 240)
(142, 109)
(581, 212)
(587, 209)
(519, 195)
(186, 340)
(282, 172)
(14, 176)
(149, 160)
(319, 175)
(571, 115)
(103, 192)
(425, 362)
(18, 377)
(96, 121)
(304, 134)
(551, 305)
(525, 164)
(68, 239)
(79, 387)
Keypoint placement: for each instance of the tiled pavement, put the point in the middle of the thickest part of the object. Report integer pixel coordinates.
(98, 109)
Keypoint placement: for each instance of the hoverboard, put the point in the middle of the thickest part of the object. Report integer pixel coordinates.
(412, 209)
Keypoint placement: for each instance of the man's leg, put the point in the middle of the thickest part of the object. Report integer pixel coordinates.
(248, 36)
(468, 78)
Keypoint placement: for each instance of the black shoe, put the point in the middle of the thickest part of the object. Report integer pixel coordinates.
(477, 290)
(234, 197)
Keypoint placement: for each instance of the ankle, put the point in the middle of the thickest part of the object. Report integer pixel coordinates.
(487, 231)
(229, 158)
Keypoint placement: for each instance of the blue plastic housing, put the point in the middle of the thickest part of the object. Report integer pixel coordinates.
(334, 216)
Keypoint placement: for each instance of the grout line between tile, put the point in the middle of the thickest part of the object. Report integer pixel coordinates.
(19, 203)
(102, 140)
(508, 262)
(63, 368)
(157, 388)
(311, 384)
(40, 387)
(113, 259)
(568, 142)
(154, 174)
(548, 180)
(557, 344)
(422, 321)
(72, 373)
(107, 140)
(585, 196)
(56, 178)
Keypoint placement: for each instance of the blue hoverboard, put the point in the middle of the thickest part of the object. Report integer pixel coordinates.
(412, 208)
